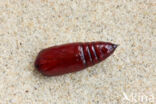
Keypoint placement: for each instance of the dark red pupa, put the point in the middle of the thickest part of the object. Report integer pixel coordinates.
(72, 57)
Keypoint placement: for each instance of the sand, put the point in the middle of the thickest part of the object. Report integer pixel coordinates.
(126, 77)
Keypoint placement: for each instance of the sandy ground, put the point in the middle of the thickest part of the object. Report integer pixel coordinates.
(127, 77)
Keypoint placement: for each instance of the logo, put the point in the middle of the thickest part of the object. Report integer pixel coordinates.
(138, 98)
